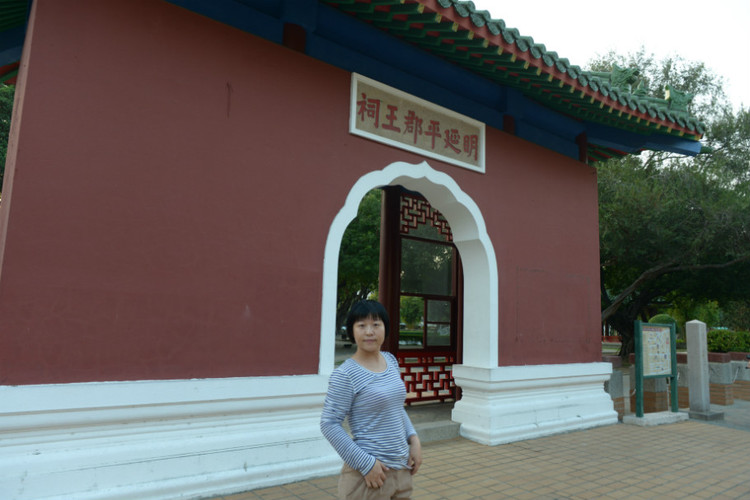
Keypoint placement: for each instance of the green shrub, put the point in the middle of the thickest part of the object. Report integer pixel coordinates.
(728, 340)
(410, 335)
(662, 319)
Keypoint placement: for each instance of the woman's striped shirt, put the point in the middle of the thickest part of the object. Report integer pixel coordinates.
(374, 403)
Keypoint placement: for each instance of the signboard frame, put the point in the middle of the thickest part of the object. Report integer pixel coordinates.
(651, 356)
(390, 108)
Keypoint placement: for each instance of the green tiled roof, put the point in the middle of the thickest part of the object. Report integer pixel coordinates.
(456, 31)
(12, 13)
(12, 19)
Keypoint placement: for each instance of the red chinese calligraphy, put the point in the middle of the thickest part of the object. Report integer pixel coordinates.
(413, 124)
(433, 130)
(369, 108)
(391, 119)
(471, 145)
(452, 138)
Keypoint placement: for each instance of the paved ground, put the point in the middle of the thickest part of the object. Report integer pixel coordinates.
(736, 416)
(686, 460)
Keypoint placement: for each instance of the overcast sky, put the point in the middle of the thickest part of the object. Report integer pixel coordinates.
(715, 32)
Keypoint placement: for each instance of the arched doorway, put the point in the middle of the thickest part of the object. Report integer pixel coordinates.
(421, 284)
(494, 406)
(480, 291)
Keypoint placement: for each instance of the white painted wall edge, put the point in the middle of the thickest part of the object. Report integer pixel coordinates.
(513, 403)
(161, 439)
(39, 398)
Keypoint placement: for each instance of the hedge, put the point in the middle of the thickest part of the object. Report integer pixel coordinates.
(728, 341)
(663, 319)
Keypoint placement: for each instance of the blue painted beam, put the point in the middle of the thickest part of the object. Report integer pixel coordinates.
(300, 12)
(11, 45)
(261, 18)
(631, 142)
(377, 45)
(345, 58)
(529, 132)
(674, 145)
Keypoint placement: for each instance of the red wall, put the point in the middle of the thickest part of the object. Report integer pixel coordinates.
(547, 244)
(174, 184)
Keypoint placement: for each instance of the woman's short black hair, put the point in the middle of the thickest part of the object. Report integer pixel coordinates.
(365, 309)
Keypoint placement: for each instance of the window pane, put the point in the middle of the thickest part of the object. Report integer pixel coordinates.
(439, 310)
(411, 312)
(426, 267)
(428, 232)
(438, 334)
(410, 339)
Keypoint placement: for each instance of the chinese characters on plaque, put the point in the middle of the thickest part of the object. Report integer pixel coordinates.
(657, 352)
(387, 115)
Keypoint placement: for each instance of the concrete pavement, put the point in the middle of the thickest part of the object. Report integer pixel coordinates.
(687, 460)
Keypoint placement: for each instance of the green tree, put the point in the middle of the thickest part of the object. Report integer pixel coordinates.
(736, 315)
(412, 309)
(426, 267)
(686, 309)
(6, 110)
(655, 76)
(675, 227)
(359, 256)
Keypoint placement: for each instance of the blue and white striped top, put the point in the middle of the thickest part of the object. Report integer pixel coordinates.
(374, 403)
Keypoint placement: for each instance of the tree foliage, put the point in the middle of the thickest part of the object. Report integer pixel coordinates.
(412, 310)
(676, 229)
(426, 267)
(674, 71)
(684, 309)
(359, 256)
(6, 110)
(736, 315)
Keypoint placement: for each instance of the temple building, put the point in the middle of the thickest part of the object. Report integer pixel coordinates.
(180, 175)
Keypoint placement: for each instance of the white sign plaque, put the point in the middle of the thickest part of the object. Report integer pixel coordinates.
(390, 116)
(657, 353)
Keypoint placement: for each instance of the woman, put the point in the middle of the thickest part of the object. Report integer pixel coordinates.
(384, 451)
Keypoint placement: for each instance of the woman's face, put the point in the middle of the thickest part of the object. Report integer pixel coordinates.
(369, 334)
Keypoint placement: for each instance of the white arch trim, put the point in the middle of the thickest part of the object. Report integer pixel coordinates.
(480, 341)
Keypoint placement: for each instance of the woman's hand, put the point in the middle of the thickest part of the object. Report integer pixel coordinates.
(415, 454)
(376, 477)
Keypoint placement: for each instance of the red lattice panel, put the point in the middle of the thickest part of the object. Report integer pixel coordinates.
(427, 377)
(417, 211)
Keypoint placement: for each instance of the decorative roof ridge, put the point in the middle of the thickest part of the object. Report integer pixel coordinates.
(614, 89)
(483, 18)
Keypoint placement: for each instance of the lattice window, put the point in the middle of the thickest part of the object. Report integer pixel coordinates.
(417, 213)
(428, 377)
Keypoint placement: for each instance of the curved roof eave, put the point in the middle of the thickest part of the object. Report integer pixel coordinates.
(457, 32)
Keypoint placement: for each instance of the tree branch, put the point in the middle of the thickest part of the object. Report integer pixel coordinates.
(648, 274)
(700, 267)
(661, 270)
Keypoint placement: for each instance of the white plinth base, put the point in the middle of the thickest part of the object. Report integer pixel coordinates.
(657, 418)
(161, 440)
(513, 403)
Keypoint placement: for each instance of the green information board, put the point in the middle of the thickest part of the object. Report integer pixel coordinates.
(655, 357)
